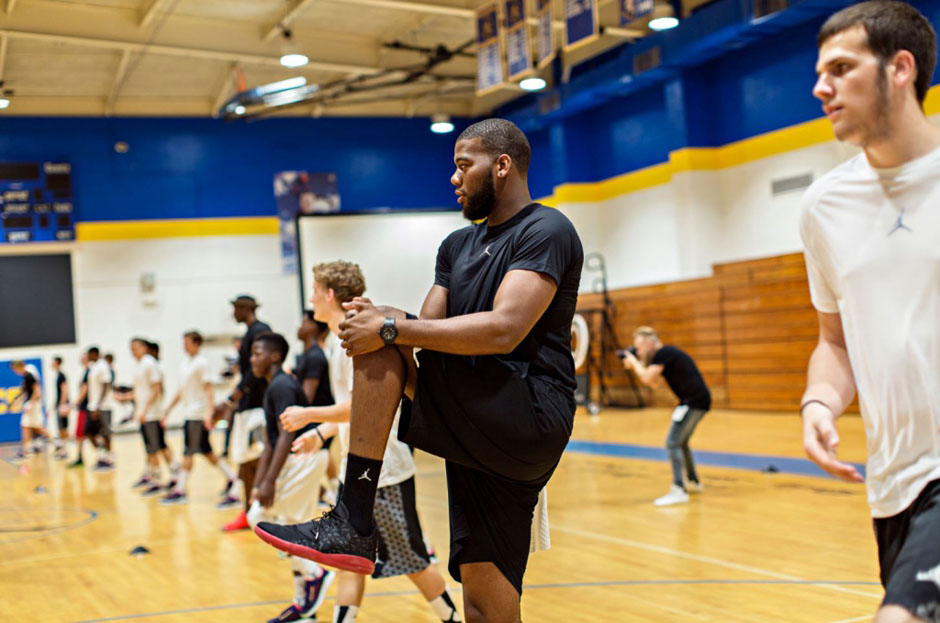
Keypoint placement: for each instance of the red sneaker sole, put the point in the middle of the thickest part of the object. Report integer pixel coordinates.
(345, 562)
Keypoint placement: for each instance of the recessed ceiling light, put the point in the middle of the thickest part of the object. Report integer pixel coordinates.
(663, 23)
(440, 124)
(4, 103)
(239, 110)
(532, 84)
(294, 59)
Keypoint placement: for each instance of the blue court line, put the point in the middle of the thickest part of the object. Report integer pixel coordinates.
(754, 462)
(527, 587)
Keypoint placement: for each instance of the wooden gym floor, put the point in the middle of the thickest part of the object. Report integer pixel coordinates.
(755, 547)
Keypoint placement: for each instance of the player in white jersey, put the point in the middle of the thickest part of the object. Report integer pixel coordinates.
(97, 420)
(195, 394)
(871, 229)
(148, 398)
(402, 550)
(30, 399)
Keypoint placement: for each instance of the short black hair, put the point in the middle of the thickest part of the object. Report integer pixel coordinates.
(93, 350)
(498, 137)
(58, 360)
(154, 348)
(195, 336)
(322, 327)
(891, 26)
(273, 341)
(109, 357)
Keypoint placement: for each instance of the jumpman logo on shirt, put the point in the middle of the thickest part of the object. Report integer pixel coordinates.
(900, 224)
(486, 251)
(933, 575)
(365, 475)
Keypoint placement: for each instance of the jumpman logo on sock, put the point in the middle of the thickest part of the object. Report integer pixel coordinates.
(931, 575)
(900, 224)
(365, 475)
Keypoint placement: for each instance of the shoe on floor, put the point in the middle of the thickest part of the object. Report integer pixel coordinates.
(152, 490)
(291, 614)
(676, 495)
(143, 481)
(104, 465)
(239, 523)
(315, 593)
(330, 540)
(229, 501)
(77, 463)
(174, 497)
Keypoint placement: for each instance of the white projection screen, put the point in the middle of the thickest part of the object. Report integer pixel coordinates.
(396, 251)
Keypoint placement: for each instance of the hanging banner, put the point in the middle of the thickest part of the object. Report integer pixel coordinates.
(545, 34)
(581, 23)
(490, 72)
(634, 9)
(301, 192)
(518, 52)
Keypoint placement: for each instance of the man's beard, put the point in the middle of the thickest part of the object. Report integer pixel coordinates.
(481, 203)
(881, 127)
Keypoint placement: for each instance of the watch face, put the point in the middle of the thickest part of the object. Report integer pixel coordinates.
(388, 333)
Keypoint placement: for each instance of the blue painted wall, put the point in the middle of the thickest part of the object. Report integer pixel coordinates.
(196, 168)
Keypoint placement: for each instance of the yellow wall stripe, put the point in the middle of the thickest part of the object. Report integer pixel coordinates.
(175, 228)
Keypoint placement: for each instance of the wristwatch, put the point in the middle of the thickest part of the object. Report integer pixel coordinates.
(389, 331)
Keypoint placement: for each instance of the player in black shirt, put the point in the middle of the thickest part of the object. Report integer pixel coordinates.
(652, 361)
(29, 401)
(494, 389)
(286, 484)
(62, 408)
(242, 409)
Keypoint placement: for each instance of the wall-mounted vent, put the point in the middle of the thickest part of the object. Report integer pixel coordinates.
(791, 184)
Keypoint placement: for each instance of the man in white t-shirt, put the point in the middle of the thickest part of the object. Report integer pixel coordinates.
(871, 229)
(96, 423)
(195, 393)
(30, 400)
(148, 399)
(401, 543)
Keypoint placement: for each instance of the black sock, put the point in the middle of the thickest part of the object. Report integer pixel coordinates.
(362, 479)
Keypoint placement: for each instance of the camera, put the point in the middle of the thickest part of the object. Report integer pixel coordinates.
(623, 353)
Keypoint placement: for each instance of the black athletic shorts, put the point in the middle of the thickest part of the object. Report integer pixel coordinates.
(909, 554)
(502, 436)
(98, 425)
(63, 423)
(196, 438)
(152, 432)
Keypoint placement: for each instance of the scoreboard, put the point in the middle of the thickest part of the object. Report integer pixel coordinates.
(36, 202)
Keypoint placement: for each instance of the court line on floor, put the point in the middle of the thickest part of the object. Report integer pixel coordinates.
(455, 590)
(709, 560)
(753, 462)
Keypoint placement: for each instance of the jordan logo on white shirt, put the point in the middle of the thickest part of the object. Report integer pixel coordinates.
(365, 475)
(933, 575)
(900, 224)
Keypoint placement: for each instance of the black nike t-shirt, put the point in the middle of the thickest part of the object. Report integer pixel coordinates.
(83, 405)
(683, 377)
(59, 381)
(251, 386)
(313, 365)
(472, 262)
(283, 391)
(28, 388)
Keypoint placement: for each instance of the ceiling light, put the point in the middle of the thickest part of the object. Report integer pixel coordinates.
(440, 124)
(290, 55)
(239, 110)
(283, 85)
(663, 23)
(532, 84)
(4, 103)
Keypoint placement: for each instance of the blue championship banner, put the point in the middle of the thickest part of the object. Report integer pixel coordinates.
(490, 72)
(518, 53)
(634, 9)
(581, 23)
(10, 384)
(545, 34)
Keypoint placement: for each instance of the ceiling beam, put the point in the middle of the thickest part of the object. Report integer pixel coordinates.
(287, 16)
(3, 53)
(168, 50)
(414, 7)
(148, 12)
(116, 83)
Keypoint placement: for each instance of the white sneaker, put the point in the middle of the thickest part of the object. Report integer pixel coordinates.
(676, 495)
(694, 487)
